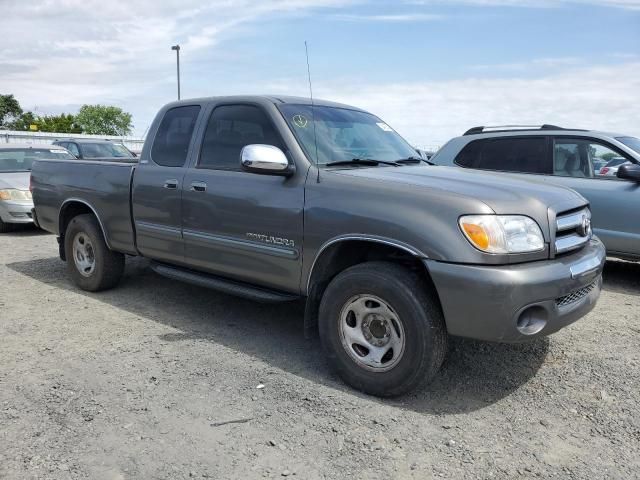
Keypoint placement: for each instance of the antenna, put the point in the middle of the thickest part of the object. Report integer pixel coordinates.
(313, 116)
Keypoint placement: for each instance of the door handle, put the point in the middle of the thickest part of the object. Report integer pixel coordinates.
(171, 184)
(198, 186)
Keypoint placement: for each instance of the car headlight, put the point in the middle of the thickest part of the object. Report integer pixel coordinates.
(502, 233)
(15, 195)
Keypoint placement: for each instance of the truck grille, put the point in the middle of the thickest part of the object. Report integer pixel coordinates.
(573, 230)
(575, 296)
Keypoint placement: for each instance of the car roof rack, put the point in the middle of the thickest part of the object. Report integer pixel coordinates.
(511, 128)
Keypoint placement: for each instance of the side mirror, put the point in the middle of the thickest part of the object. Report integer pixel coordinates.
(629, 171)
(265, 159)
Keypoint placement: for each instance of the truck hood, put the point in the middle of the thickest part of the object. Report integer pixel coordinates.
(502, 193)
(476, 191)
(14, 180)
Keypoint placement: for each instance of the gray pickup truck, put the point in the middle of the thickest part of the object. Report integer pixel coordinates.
(278, 199)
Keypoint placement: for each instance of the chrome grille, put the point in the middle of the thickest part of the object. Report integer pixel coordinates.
(573, 230)
(575, 296)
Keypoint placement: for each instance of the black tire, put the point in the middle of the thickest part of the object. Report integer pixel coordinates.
(108, 265)
(5, 227)
(416, 306)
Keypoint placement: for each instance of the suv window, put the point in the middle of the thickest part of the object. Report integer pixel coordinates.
(230, 128)
(582, 158)
(508, 154)
(73, 148)
(104, 150)
(171, 144)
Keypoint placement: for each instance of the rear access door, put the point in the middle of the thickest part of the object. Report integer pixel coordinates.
(157, 185)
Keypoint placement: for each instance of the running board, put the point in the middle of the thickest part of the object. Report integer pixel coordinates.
(232, 287)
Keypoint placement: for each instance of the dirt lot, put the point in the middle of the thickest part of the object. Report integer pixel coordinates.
(138, 383)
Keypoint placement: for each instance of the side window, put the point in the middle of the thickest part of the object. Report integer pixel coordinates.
(73, 148)
(171, 144)
(230, 128)
(508, 154)
(584, 158)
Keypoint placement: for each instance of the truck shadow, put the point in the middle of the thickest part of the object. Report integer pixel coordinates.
(474, 375)
(622, 277)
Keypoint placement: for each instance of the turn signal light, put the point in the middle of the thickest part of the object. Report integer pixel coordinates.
(477, 234)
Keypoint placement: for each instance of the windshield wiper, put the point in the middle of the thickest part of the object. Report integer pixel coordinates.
(362, 161)
(414, 160)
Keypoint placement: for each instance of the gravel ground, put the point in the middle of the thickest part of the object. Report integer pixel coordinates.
(157, 379)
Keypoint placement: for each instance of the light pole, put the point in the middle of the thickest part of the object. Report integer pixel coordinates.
(177, 49)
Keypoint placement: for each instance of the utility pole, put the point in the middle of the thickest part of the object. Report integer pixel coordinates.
(177, 49)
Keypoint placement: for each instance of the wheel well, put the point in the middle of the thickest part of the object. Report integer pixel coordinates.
(68, 212)
(342, 255)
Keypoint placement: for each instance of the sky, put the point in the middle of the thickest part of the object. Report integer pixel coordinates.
(430, 68)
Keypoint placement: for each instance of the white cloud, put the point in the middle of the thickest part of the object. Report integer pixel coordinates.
(430, 113)
(60, 53)
(409, 17)
(628, 4)
(534, 65)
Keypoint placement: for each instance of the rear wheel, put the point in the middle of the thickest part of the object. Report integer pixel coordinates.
(92, 266)
(382, 329)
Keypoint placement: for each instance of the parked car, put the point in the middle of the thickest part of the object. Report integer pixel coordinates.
(15, 167)
(277, 199)
(91, 148)
(611, 168)
(565, 157)
(598, 163)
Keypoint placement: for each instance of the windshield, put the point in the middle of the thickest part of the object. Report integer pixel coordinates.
(106, 149)
(344, 134)
(21, 159)
(632, 142)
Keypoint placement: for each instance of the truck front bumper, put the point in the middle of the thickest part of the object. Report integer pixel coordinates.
(15, 211)
(516, 303)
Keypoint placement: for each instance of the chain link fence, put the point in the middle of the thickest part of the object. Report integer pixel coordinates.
(45, 138)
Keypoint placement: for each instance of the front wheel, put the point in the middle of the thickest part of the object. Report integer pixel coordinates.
(382, 329)
(92, 266)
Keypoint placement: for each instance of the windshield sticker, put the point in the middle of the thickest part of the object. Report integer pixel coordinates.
(300, 121)
(385, 127)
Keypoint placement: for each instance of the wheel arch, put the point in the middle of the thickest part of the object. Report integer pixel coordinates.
(346, 251)
(70, 209)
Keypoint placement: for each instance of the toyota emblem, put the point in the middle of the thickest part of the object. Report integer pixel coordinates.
(585, 227)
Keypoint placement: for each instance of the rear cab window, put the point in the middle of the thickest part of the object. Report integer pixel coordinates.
(507, 154)
(172, 140)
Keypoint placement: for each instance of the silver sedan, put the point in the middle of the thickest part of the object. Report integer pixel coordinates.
(15, 169)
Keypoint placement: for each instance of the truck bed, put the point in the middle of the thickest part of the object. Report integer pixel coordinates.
(101, 185)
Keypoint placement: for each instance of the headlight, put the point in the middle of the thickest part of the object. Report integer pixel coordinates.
(15, 195)
(502, 233)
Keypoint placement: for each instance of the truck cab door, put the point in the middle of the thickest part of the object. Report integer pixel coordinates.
(240, 225)
(157, 186)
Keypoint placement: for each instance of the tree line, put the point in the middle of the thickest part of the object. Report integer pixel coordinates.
(91, 119)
